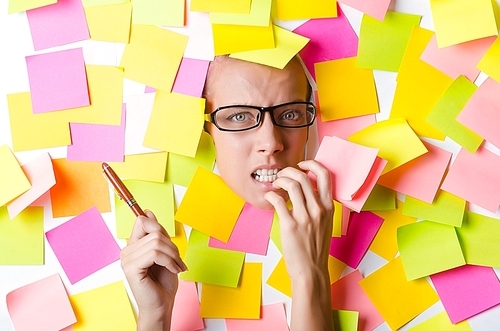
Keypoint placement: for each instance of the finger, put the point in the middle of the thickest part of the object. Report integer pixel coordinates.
(295, 192)
(278, 203)
(305, 185)
(323, 180)
(144, 225)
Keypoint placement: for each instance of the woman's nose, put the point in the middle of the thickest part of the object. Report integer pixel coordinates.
(269, 139)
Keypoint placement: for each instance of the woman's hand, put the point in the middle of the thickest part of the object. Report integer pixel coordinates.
(151, 263)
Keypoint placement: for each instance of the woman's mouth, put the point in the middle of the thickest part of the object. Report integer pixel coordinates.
(266, 175)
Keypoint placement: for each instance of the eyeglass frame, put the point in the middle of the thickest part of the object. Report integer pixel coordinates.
(211, 117)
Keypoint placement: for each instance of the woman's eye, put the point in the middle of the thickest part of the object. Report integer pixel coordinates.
(291, 115)
(240, 117)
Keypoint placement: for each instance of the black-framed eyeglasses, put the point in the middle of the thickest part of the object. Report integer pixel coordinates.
(243, 117)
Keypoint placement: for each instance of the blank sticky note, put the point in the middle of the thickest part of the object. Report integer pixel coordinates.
(109, 22)
(158, 12)
(427, 248)
(221, 6)
(259, 15)
(41, 305)
(296, 9)
(186, 311)
(441, 322)
(83, 245)
(488, 63)
(272, 317)
(12, 178)
(16, 6)
(279, 278)
(150, 167)
(191, 76)
(239, 38)
(345, 320)
(374, 8)
(380, 198)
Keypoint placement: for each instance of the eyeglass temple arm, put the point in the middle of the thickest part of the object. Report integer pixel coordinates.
(208, 118)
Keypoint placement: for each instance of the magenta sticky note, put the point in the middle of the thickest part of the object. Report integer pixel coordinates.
(190, 77)
(352, 247)
(83, 245)
(330, 39)
(251, 232)
(97, 142)
(272, 317)
(42, 305)
(58, 24)
(57, 80)
(466, 291)
(186, 311)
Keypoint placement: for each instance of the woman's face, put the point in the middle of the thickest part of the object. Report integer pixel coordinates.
(241, 155)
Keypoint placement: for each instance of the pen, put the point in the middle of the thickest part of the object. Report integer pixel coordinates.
(121, 190)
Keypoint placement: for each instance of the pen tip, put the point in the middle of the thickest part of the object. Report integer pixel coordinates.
(105, 165)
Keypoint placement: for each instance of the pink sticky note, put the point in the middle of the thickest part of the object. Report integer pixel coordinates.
(475, 178)
(272, 317)
(186, 311)
(348, 295)
(459, 59)
(40, 173)
(97, 142)
(373, 8)
(42, 305)
(480, 114)
(351, 248)
(420, 178)
(251, 232)
(191, 76)
(83, 245)
(330, 39)
(466, 291)
(59, 24)
(346, 216)
(57, 80)
(345, 127)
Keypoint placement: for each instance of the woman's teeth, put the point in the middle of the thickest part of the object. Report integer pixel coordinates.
(265, 175)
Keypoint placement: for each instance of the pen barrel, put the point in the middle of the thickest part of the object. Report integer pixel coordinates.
(135, 207)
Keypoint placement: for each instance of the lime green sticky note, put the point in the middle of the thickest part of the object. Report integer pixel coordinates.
(221, 6)
(176, 123)
(157, 197)
(478, 236)
(149, 166)
(427, 248)
(443, 115)
(298, 9)
(180, 168)
(259, 15)
(345, 320)
(230, 38)
(13, 180)
(276, 232)
(446, 209)
(21, 239)
(288, 44)
(382, 44)
(209, 205)
(89, 3)
(109, 23)
(441, 322)
(380, 198)
(16, 6)
(396, 141)
(211, 265)
(489, 62)
(103, 308)
(159, 12)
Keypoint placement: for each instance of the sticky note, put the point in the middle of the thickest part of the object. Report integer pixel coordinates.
(186, 310)
(259, 15)
(21, 239)
(191, 76)
(105, 307)
(139, 109)
(279, 278)
(109, 22)
(445, 209)
(57, 24)
(296, 9)
(467, 291)
(41, 305)
(380, 198)
(209, 205)
(335, 268)
(349, 81)
(153, 56)
(92, 3)
(427, 248)
(343, 128)
(239, 302)
(352, 247)
(272, 317)
(480, 113)
(238, 38)
(474, 177)
(397, 299)
(470, 20)
(393, 33)
(441, 321)
(12, 177)
(86, 239)
(329, 39)
(221, 6)
(176, 123)
(477, 236)
(421, 177)
(180, 239)
(376, 8)
(158, 12)
(345, 320)
(40, 174)
(209, 265)
(151, 167)
(250, 233)
(79, 186)
(20, 6)
(488, 62)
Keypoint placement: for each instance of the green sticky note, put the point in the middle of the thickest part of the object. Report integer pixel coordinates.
(479, 239)
(276, 232)
(159, 12)
(211, 265)
(382, 44)
(443, 115)
(380, 198)
(427, 248)
(21, 239)
(345, 320)
(446, 209)
(16, 6)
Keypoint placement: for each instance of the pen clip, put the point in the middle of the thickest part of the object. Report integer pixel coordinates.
(109, 183)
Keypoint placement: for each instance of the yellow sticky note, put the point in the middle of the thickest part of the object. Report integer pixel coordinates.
(445, 209)
(109, 23)
(335, 268)
(159, 12)
(22, 239)
(259, 15)
(280, 279)
(239, 38)
(16, 6)
(355, 85)
(337, 219)
(209, 205)
(103, 308)
(221, 6)
(150, 166)
(176, 123)
(13, 181)
(288, 44)
(180, 239)
(458, 21)
(153, 56)
(275, 232)
(380, 198)
(395, 298)
(298, 9)
(90, 3)
(441, 322)
(489, 62)
(240, 302)
(396, 141)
